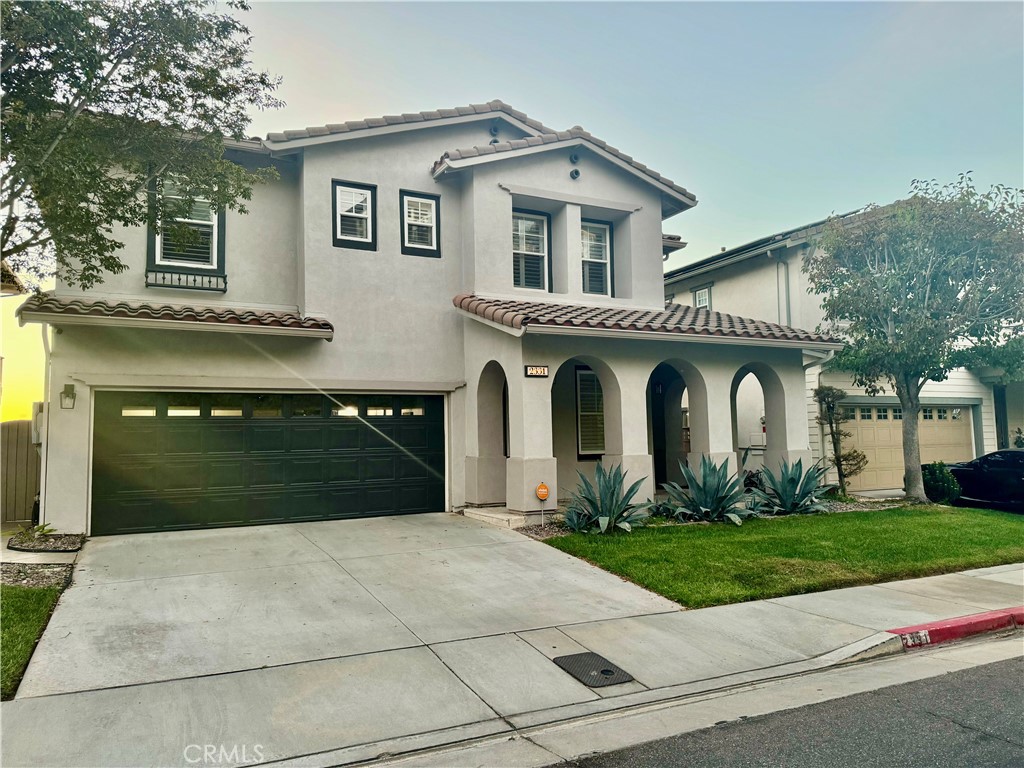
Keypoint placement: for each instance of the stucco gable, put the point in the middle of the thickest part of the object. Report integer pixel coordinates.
(456, 159)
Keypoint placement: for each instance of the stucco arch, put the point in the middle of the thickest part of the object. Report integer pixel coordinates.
(697, 395)
(488, 419)
(775, 415)
(563, 417)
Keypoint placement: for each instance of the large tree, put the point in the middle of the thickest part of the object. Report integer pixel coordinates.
(101, 101)
(919, 287)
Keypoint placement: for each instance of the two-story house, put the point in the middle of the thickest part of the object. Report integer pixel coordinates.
(967, 415)
(425, 312)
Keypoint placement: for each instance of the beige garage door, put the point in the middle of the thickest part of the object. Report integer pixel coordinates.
(946, 435)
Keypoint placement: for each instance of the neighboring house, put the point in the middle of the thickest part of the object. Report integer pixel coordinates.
(427, 311)
(965, 416)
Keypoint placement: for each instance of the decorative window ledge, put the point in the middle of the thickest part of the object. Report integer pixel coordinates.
(169, 278)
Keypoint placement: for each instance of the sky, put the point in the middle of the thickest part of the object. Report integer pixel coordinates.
(773, 114)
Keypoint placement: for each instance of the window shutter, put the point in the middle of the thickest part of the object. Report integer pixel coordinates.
(528, 271)
(589, 413)
(594, 277)
(198, 250)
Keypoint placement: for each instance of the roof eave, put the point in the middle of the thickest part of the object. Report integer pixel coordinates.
(60, 319)
(293, 145)
(683, 337)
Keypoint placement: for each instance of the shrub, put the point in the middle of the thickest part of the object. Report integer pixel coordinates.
(792, 491)
(939, 484)
(603, 506)
(713, 497)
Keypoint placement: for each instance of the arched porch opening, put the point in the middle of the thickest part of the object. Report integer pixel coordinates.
(486, 471)
(585, 418)
(758, 404)
(668, 423)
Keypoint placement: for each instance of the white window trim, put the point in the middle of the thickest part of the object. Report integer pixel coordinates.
(579, 427)
(607, 261)
(547, 250)
(406, 222)
(159, 259)
(696, 297)
(369, 213)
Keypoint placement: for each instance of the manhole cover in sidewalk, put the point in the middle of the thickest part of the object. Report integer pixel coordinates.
(592, 670)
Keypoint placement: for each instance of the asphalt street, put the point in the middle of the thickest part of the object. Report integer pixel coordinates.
(970, 718)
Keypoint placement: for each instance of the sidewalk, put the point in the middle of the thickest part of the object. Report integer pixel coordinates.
(491, 689)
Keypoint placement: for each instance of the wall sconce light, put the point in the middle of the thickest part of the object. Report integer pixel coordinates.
(67, 397)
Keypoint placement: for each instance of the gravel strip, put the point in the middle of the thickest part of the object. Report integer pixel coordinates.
(51, 542)
(35, 574)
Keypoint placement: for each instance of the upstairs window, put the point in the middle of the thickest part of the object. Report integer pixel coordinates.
(596, 251)
(197, 247)
(421, 224)
(589, 413)
(530, 250)
(355, 215)
(702, 297)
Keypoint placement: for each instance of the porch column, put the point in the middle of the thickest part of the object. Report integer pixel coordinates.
(531, 459)
(711, 431)
(628, 442)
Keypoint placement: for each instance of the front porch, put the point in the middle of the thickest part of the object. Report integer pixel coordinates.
(545, 404)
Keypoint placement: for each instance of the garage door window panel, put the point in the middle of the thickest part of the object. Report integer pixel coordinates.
(266, 406)
(226, 406)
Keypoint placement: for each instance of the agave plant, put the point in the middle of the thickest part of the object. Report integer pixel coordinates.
(792, 491)
(605, 504)
(715, 496)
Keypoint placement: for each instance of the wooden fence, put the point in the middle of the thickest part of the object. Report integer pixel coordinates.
(19, 472)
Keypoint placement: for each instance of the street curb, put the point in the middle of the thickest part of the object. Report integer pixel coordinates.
(947, 630)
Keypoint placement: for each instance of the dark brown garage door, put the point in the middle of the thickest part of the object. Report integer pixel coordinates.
(170, 461)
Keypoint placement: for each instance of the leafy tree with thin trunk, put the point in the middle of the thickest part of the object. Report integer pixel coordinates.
(919, 286)
(101, 101)
(850, 462)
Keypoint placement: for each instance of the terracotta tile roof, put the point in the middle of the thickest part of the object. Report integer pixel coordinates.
(574, 134)
(682, 320)
(414, 117)
(256, 320)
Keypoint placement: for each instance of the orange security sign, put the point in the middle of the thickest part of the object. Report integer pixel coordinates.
(542, 492)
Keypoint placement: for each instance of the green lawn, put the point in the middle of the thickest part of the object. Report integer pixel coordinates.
(703, 565)
(24, 612)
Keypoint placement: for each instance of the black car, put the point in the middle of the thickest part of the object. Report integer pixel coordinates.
(995, 477)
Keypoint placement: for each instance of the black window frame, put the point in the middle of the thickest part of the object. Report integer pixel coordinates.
(548, 257)
(343, 242)
(611, 258)
(415, 250)
(580, 456)
(219, 270)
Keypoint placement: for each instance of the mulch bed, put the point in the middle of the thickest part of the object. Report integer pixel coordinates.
(51, 542)
(35, 574)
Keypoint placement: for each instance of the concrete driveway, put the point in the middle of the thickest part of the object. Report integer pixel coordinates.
(167, 606)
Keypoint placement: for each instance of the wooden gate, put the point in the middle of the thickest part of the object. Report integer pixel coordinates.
(19, 473)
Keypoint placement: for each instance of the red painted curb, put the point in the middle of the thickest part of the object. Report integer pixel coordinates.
(944, 631)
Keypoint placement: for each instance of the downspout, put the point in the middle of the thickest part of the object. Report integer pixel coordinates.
(45, 330)
(782, 290)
